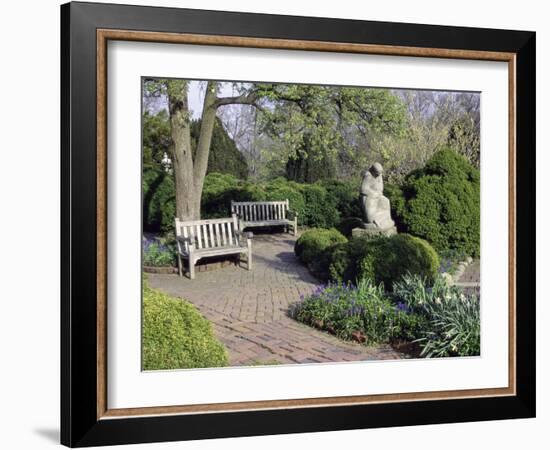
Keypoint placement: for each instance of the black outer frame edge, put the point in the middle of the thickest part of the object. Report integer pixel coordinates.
(79, 426)
(525, 222)
(65, 227)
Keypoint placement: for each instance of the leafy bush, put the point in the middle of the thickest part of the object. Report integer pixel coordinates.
(452, 318)
(345, 194)
(344, 310)
(159, 201)
(158, 254)
(218, 191)
(397, 204)
(441, 319)
(383, 260)
(320, 210)
(442, 203)
(348, 224)
(312, 243)
(281, 189)
(176, 335)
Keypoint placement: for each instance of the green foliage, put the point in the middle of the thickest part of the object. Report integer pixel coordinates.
(158, 254)
(442, 203)
(441, 319)
(313, 203)
(452, 318)
(383, 260)
(348, 224)
(345, 195)
(312, 123)
(156, 138)
(320, 208)
(176, 336)
(281, 189)
(397, 203)
(312, 243)
(159, 202)
(344, 309)
(224, 155)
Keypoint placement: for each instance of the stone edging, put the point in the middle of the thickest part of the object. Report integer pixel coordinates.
(453, 278)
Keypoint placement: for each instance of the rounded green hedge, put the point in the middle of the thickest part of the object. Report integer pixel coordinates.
(442, 203)
(347, 224)
(383, 260)
(176, 335)
(312, 243)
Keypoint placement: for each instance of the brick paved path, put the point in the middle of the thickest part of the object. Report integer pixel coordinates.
(248, 309)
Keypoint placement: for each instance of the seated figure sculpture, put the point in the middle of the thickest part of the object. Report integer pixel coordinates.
(376, 207)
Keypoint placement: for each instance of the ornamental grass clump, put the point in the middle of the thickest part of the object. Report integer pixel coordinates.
(452, 317)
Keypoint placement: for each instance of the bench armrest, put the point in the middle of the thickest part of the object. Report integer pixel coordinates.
(185, 241)
(243, 234)
(292, 214)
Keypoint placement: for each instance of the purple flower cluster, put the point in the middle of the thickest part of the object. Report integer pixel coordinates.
(403, 308)
(151, 243)
(355, 310)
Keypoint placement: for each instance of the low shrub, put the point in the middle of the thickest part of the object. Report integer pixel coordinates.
(312, 243)
(442, 203)
(176, 336)
(320, 209)
(158, 254)
(347, 224)
(452, 318)
(345, 195)
(442, 320)
(280, 189)
(362, 312)
(383, 260)
(397, 204)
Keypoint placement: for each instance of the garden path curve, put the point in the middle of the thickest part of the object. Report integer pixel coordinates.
(249, 309)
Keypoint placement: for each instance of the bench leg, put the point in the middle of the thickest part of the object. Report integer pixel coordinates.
(295, 226)
(249, 259)
(191, 268)
(180, 270)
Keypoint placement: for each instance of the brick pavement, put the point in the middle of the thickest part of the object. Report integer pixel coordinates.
(249, 309)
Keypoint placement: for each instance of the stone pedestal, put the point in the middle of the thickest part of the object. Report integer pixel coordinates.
(372, 233)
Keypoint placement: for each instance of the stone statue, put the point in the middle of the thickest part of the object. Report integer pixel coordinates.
(376, 207)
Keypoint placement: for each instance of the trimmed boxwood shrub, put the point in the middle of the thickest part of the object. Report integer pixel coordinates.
(348, 224)
(383, 260)
(312, 243)
(176, 335)
(442, 203)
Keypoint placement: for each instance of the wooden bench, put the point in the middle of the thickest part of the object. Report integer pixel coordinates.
(265, 214)
(199, 239)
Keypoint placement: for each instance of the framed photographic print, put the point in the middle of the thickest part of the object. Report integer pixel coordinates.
(277, 224)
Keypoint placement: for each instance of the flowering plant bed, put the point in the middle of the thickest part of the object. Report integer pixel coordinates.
(431, 320)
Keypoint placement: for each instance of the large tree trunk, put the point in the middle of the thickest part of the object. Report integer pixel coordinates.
(182, 157)
(188, 173)
(208, 121)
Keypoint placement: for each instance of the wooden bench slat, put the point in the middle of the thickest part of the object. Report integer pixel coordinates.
(264, 213)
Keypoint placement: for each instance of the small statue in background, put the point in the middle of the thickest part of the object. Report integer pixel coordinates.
(376, 207)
